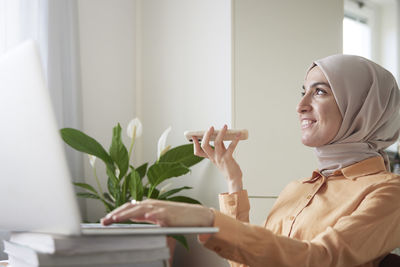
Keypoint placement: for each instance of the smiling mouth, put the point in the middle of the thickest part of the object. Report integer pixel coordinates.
(307, 123)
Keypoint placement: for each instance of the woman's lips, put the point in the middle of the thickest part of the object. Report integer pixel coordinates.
(306, 123)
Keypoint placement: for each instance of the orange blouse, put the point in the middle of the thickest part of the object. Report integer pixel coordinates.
(349, 219)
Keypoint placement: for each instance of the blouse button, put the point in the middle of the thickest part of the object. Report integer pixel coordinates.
(309, 196)
(291, 218)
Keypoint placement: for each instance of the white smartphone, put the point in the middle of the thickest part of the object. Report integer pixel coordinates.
(229, 136)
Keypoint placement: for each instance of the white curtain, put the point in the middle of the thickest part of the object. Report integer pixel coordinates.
(53, 24)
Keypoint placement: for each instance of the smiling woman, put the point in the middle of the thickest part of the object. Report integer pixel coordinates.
(345, 214)
(319, 114)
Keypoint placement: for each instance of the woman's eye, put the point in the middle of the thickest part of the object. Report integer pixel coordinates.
(303, 94)
(320, 91)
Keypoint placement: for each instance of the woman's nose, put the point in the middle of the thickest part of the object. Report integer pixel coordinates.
(304, 105)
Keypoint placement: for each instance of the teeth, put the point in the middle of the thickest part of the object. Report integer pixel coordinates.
(306, 122)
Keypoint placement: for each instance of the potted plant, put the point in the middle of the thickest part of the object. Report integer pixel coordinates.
(127, 182)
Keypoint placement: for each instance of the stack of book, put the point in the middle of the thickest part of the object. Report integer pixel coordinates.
(29, 249)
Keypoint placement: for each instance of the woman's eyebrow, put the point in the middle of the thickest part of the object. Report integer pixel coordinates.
(316, 84)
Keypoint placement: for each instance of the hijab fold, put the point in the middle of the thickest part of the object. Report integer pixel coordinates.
(369, 100)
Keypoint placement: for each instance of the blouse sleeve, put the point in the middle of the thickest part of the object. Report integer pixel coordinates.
(370, 232)
(236, 206)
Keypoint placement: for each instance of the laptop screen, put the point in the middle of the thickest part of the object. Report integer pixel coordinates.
(37, 192)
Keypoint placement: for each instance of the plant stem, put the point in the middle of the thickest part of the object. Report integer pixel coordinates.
(151, 189)
(132, 143)
(98, 182)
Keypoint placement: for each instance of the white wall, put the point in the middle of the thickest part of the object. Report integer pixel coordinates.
(274, 43)
(389, 31)
(185, 77)
(185, 82)
(107, 41)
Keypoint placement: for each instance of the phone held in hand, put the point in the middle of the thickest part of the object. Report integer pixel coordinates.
(229, 136)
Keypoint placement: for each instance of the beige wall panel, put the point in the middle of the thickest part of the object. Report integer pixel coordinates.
(274, 43)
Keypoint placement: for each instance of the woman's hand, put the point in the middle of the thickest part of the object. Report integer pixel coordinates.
(164, 213)
(221, 157)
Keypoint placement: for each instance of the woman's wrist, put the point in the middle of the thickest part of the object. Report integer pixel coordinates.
(211, 215)
(235, 185)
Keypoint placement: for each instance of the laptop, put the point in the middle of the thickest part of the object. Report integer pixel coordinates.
(37, 193)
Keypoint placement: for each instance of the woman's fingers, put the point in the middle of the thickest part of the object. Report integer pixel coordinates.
(134, 213)
(108, 218)
(233, 144)
(197, 149)
(205, 143)
(164, 213)
(219, 144)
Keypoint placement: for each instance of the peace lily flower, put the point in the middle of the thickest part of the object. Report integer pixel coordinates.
(117, 172)
(92, 161)
(161, 147)
(133, 130)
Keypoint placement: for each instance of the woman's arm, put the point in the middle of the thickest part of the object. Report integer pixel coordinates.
(370, 232)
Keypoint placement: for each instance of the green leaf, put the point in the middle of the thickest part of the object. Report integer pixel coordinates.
(173, 191)
(86, 186)
(118, 151)
(183, 154)
(111, 175)
(136, 186)
(109, 207)
(124, 189)
(154, 194)
(161, 171)
(142, 169)
(183, 199)
(88, 195)
(113, 187)
(84, 143)
(181, 239)
(108, 197)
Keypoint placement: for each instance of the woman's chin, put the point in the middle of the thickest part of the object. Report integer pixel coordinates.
(309, 143)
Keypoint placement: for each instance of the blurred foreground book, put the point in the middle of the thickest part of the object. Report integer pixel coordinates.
(37, 249)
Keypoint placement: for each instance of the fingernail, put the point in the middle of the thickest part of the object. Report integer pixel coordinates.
(114, 217)
(108, 216)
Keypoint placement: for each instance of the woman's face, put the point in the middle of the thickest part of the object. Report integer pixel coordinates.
(320, 117)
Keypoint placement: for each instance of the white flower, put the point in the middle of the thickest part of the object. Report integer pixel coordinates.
(117, 172)
(134, 128)
(92, 160)
(161, 148)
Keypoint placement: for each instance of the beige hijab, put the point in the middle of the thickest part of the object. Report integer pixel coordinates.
(369, 100)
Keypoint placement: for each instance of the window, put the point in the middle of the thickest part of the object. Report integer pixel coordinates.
(358, 29)
(356, 37)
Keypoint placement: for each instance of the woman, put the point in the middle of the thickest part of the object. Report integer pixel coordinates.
(346, 214)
